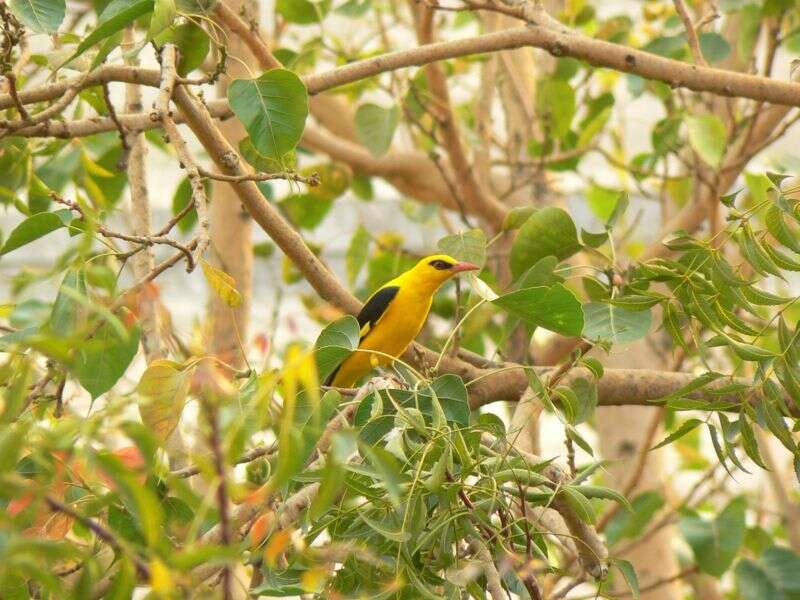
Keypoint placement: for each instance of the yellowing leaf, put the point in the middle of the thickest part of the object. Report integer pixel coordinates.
(162, 390)
(277, 546)
(708, 137)
(160, 578)
(222, 283)
(313, 579)
(261, 528)
(93, 168)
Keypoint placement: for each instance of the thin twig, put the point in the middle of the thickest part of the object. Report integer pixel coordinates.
(123, 136)
(247, 457)
(12, 90)
(101, 532)
(312, 180)
(691, 32)
(168, 78)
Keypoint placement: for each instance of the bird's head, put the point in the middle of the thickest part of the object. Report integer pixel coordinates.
(439, 268)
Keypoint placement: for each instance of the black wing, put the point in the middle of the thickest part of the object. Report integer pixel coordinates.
(375, 307)
(370, 313)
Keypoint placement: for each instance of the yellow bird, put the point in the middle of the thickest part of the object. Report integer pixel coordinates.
(394, 315)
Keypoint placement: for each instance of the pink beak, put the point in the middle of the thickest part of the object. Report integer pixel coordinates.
(464, 266)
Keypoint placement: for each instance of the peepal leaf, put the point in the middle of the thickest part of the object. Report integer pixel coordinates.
(775, 576)
(106, 357)
(375, 127)
(162, 390)
(547, 232)
(40, 16)
(273, 110)
(615, 323)
(467, 246)
(223, 284)
(555, 308)
(716, 543)
(69, 315)
(335, 343)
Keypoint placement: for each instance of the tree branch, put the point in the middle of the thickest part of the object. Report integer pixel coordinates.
(167, 89)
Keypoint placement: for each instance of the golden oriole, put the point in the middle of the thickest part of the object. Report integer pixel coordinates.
(393, 316)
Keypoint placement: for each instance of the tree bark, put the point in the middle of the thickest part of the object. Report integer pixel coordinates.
(621, 431)
(231, 226)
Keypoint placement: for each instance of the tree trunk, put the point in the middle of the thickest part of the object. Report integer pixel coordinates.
(622, 431)
(231, 228)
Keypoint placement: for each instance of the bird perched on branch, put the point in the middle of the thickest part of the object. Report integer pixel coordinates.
(394, 315)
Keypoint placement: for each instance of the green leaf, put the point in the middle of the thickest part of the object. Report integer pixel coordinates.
(40, 16)
(555, 101)
(273, 110)
(614, 323)
(555, 308)
(708, 137)
(303, 12)
(306, 211)
(32, 228)
(632, 524)
(115, 17)
(516, 217)
(69, 315)
(586, 396)
(714, 47)
(467, 246)
(335, 343)
(357, 253)
(164, 13)
(280, 584)
(594, 491)
(753, 582)
(681, 431)
(547, 232)
(375, 127)
(180, 199)
(579, 503)
(106, 357)
(747, 31)
(716, 543)
(778, 227)
(193, 43)
(629, 573)
(602, 200)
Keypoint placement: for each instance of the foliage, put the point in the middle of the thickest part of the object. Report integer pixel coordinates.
(395, 489)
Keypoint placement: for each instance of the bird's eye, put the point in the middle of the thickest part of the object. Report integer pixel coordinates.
(441, 265)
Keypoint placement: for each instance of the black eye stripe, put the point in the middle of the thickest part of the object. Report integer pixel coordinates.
(441, 265)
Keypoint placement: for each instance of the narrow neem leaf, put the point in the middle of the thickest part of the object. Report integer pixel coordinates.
(749, 441)
(672, 324)
(778, 227)
(629, 573)
(718, 450)
(696, 384)
(755, 253)
(579, 503)
(770, 416)
(763, 298)
(685, 428)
